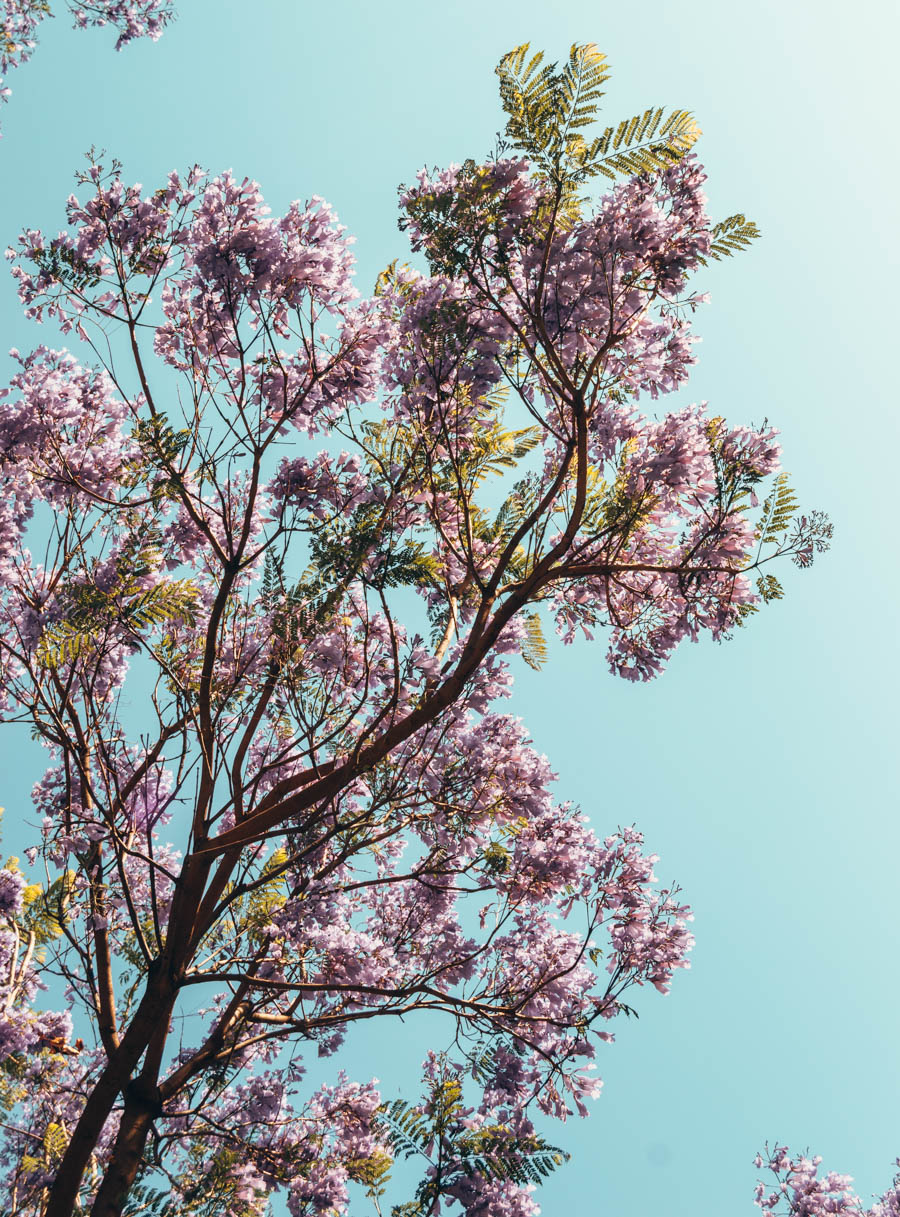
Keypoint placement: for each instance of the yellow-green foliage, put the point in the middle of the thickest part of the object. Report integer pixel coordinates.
(730, 236)
(534, 646)
(55, 1141)
(131, 608)
(548, 108)
(778, 511)
(46, 912)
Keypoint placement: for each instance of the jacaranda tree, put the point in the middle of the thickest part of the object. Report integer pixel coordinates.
(269, 553)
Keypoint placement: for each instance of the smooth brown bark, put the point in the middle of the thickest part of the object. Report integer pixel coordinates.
(113, 1081)
(137, 1119)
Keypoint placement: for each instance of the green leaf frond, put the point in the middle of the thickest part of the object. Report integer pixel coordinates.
(496, 450)
(777, 512)
(164, 602)
(158, 439)
(250, 912)
(769, 588)
(524, 1161)
(13, 1081)
(47, 912)
(161, 449)
(373, 1172)
(407, 1127)
(646, 143)
(358, 548)
(493, 450)
(55, 1141)
(548, 108)
(614, 509)
(64, 266)
(534, 645)
(515, 508)
(397, 276)
(492, 1152)
(730, 236)
(92, 613)
(268, 897)
(745, 612)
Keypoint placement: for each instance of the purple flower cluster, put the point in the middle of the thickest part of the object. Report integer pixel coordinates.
(12, 884)
(132, 18)
(19, 21)
(801, 1191)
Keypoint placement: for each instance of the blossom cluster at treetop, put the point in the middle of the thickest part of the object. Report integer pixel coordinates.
(270, 552)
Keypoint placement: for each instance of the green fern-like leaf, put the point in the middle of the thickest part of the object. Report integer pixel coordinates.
(778, 511)
(495, 450)
(406, 1127)
(13, 1087)
(159, 440)
(389, 278)
(596, 502)
(62, 644)
(494, 1154)
(373, 1172)
(496, 858)
(730, 236)
(92, 613)
(546, 108)
(646, 143)
(456, 1151)
(47, 914)
(769, 588)
(55, 1140)
(269, 896)
(581, 82)
(534, 646)
(65, 266)
(174, 599)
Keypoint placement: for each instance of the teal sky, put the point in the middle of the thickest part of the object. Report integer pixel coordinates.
(761, 771)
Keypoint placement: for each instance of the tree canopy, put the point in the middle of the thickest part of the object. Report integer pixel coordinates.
(269, 554)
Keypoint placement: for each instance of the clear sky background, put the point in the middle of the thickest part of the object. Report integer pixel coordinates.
(762, 771)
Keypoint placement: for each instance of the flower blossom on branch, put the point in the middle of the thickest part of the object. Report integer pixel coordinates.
(20, 19)
(800, 1190)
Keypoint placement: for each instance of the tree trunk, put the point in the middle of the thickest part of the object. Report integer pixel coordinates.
(141, 1109)
(113, 1081)
(97, 1109)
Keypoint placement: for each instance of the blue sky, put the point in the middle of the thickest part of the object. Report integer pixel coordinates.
(761, 771)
